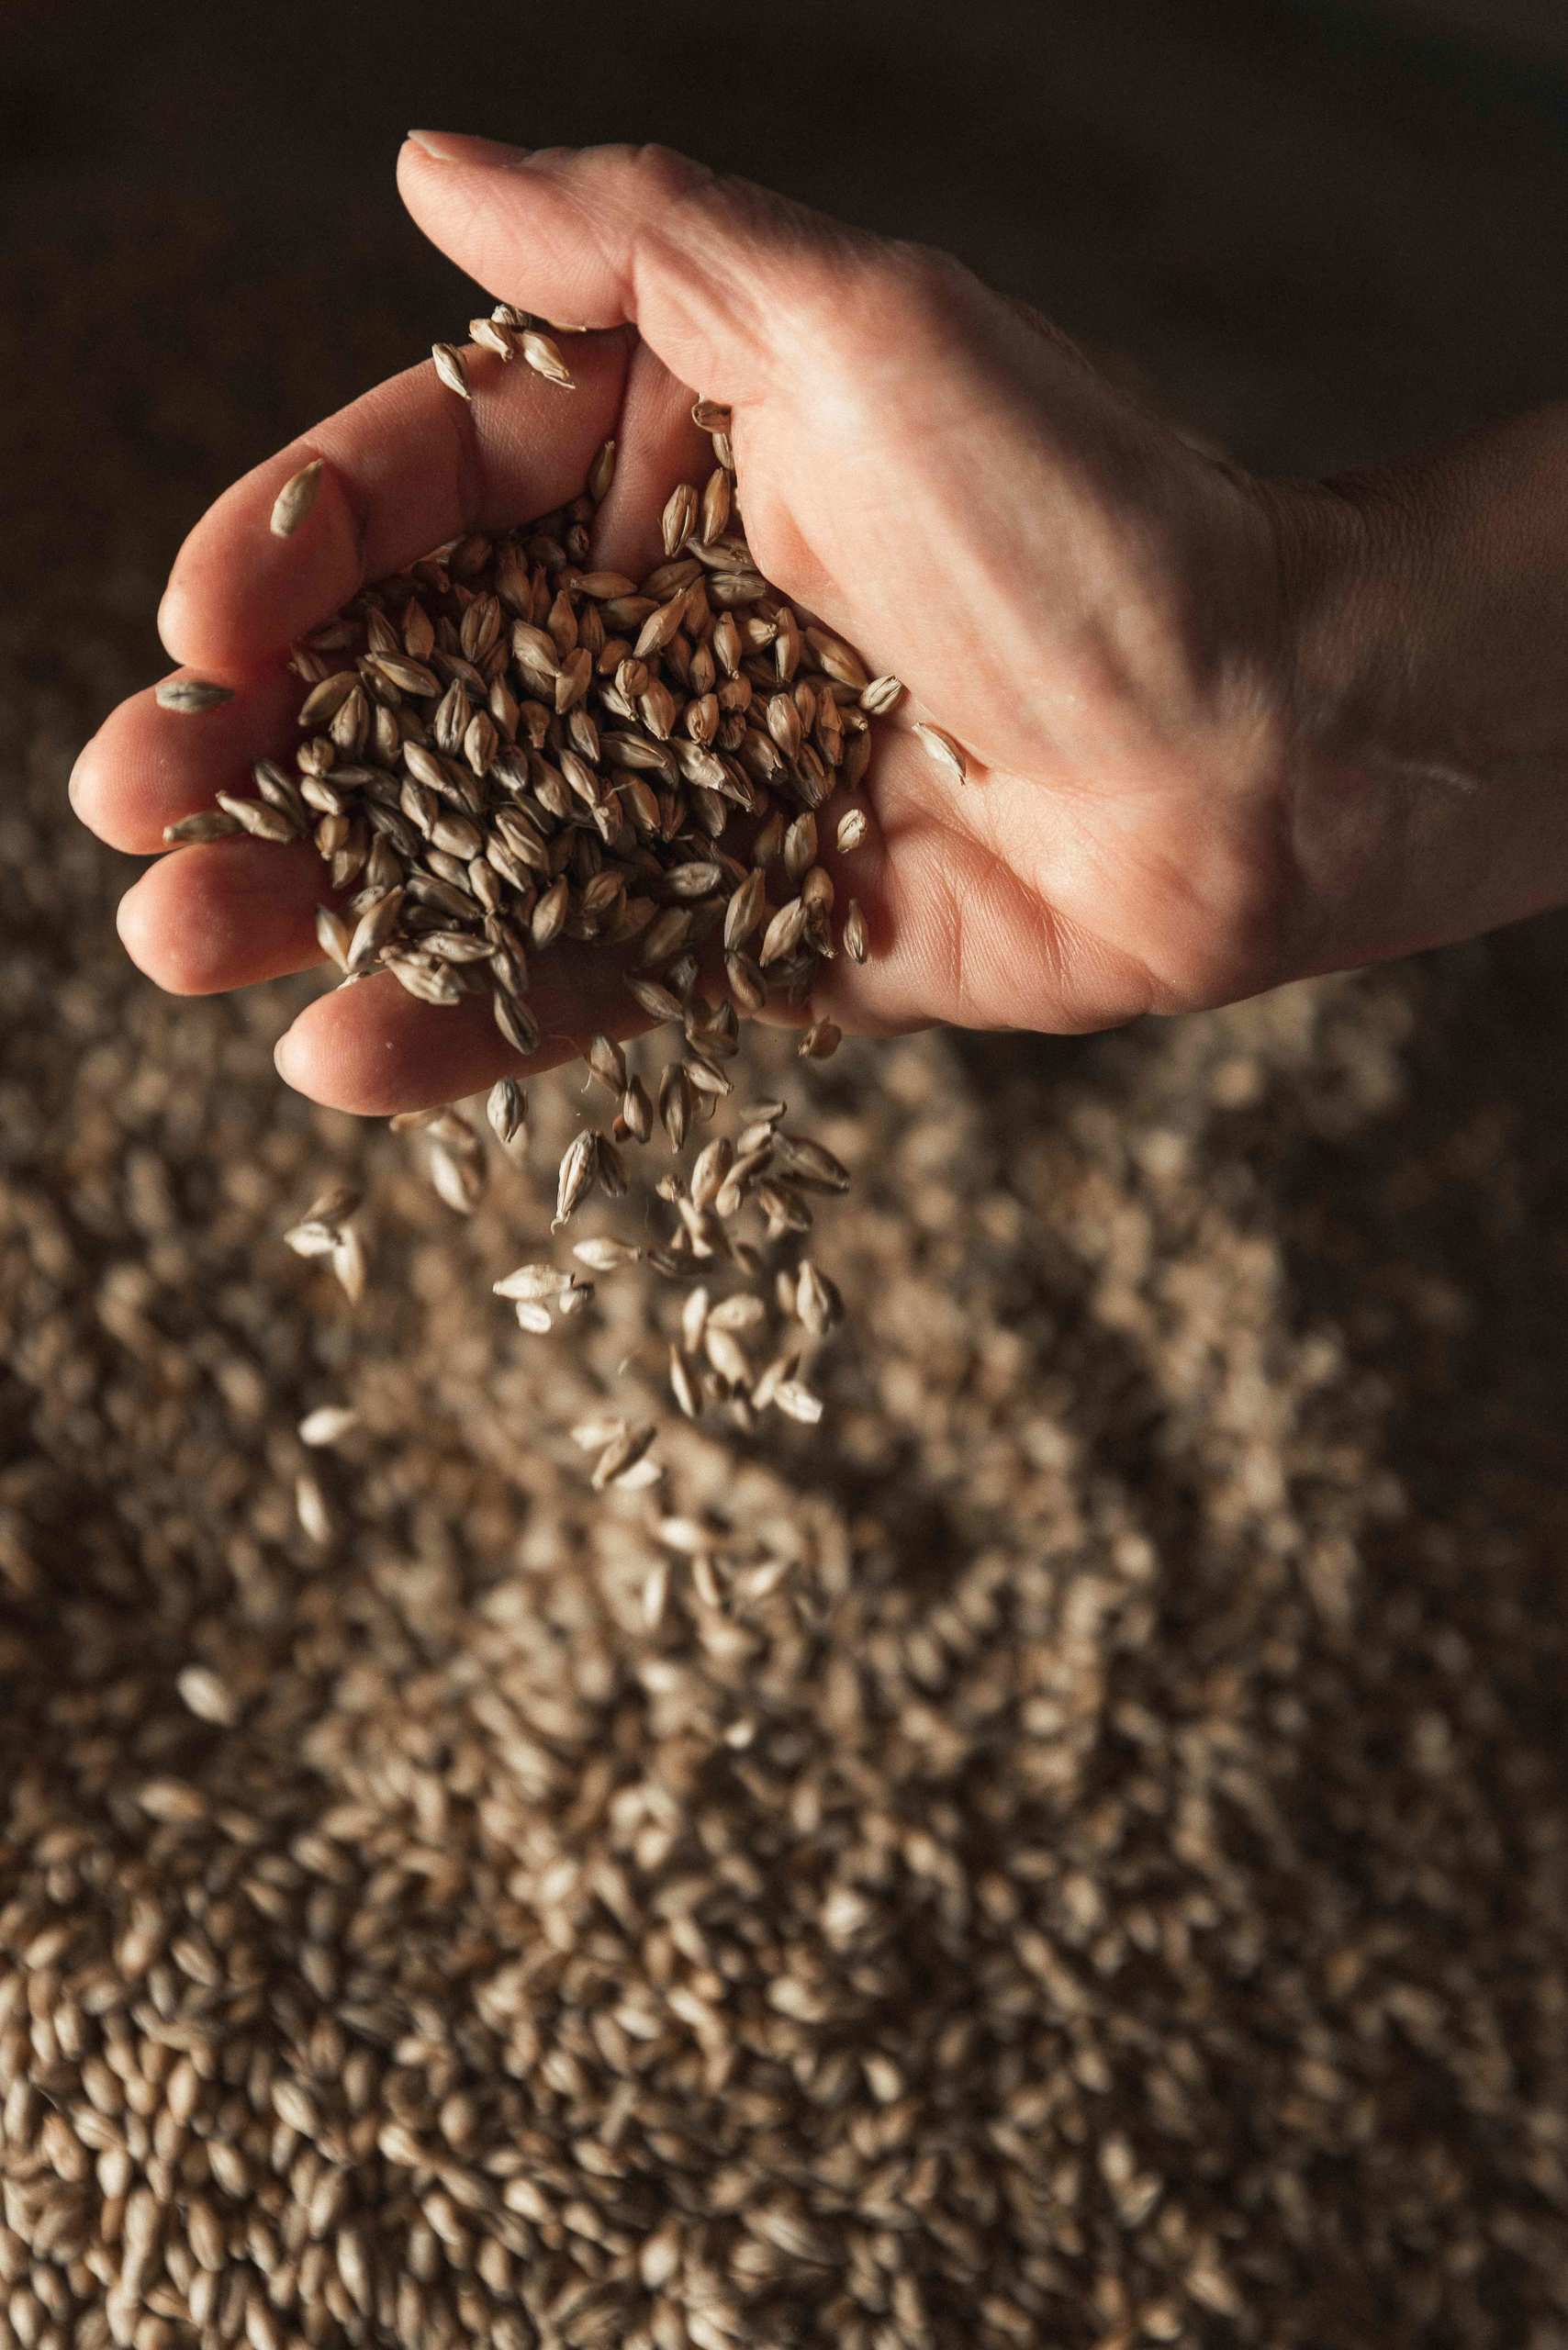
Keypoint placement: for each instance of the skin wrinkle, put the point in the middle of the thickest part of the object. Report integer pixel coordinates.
(470, 471)
(1356, 799)
(356, 499)
(627, 273)
(1429, 771)
(953, 931)
(957, 906)
(631, 272)
(1154, 993)
(623, 276)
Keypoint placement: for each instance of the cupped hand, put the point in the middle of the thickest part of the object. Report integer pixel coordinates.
(1086, 603)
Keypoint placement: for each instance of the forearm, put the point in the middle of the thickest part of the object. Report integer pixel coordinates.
(1425, 632)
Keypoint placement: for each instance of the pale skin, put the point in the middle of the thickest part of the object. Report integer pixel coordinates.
(1222, 732)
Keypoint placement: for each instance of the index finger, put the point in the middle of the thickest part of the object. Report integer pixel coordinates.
(407, 466)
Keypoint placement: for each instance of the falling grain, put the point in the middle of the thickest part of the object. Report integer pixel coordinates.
(328, 1424)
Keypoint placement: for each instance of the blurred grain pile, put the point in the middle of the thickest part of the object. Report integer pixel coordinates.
(1111, 1892)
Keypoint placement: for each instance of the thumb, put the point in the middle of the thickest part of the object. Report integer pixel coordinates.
(724, 281)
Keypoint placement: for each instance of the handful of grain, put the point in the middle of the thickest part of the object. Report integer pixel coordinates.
(503, 747)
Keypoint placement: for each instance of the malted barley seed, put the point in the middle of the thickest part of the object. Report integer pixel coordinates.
(191, 696)
(946, 754)
(295, 500)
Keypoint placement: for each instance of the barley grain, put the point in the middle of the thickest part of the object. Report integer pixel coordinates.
(328, 1424)
(190, 696)
(543, 356)
(293, 504)
(582, 1162)
(450, 367)
(311, 1503)
(941, 747)
(505, 1107)
(205, 824)
(492, 334)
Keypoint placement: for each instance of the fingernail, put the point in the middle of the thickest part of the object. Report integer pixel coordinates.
(71, 787)
(283, 1057)
(465, 147)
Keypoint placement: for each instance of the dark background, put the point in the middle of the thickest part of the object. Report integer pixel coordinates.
(1323, 229)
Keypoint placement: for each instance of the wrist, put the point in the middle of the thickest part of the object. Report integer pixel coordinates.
(1422, 627)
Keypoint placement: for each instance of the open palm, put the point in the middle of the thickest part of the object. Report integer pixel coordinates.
(1064, 585)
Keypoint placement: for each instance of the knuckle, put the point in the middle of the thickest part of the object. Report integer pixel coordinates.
(926, 270)
(929, 284)
(903, 298)
(661, 177)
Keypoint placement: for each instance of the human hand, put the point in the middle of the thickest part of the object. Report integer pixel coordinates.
(1106, 619)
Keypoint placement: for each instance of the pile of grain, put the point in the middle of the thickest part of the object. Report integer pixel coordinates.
(1108, 1890)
